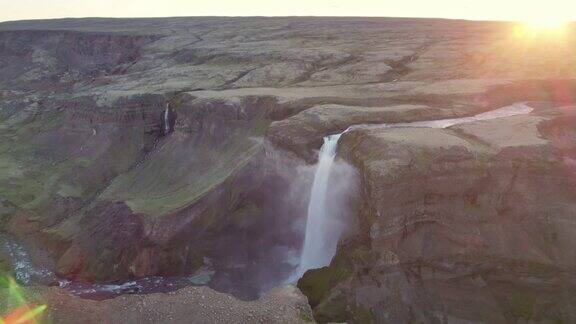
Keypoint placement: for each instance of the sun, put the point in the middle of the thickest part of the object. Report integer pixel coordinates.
(544, 22)
(543, 19)
(543, 25)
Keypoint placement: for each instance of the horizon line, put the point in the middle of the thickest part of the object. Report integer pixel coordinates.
(266, 16)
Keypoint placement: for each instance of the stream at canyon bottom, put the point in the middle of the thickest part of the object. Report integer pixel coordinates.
(26, 273)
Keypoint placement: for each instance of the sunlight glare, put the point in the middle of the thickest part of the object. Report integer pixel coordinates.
(548, 27)
(542, 19)
(547, 23)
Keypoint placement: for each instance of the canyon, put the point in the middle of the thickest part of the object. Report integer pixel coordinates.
(154, 162)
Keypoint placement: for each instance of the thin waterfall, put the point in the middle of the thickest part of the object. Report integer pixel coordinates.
(318, 250)
(167, 120)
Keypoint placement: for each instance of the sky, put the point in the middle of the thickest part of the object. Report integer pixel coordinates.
(459, 9)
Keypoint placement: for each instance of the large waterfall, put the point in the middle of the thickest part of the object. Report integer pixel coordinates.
(322, 234)
(320, 243)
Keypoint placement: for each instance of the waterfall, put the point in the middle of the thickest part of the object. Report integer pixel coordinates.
(319, 242)
(167, 120)
(322, 235)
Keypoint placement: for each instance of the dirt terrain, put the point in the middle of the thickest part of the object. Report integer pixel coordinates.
(188, 305)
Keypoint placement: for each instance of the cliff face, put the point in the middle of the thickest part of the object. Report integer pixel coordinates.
(469, 223)
(116, 197)
(104, 187)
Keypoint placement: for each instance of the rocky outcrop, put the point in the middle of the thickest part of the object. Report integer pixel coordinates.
(303, 132)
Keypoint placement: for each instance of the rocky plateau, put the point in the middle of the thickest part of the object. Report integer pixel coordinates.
(136, 148)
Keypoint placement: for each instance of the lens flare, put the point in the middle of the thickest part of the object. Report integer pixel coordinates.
(19, 311)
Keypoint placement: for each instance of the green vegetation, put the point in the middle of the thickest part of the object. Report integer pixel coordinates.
(334, 309)
(361, 315)
(177, 175)
(305, 316)
(245, 215)
(521, 306)
(316, 283)
(180, 172)
(44, 158)
(337, 309)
